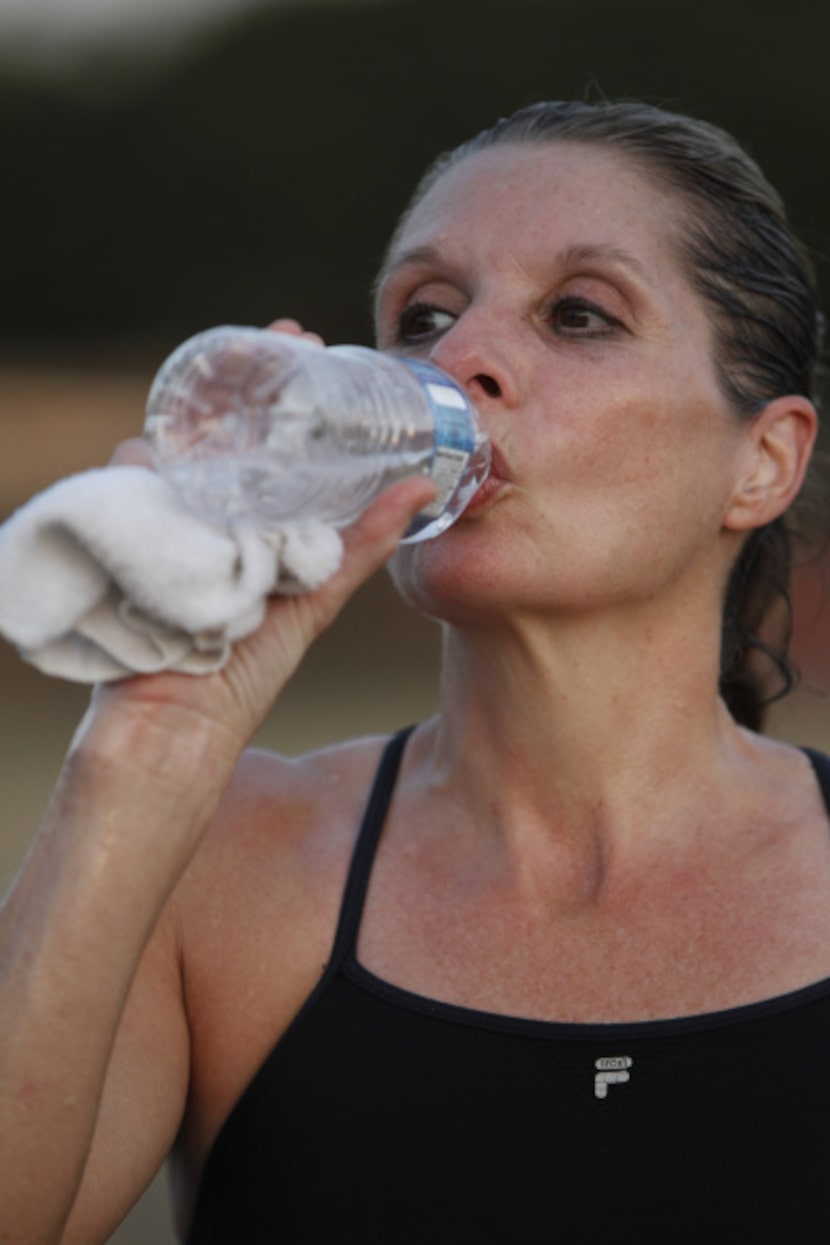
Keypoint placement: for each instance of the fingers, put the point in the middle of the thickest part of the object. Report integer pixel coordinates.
(292, 623)
(294, 329)
(133, 453)
(381, 527)
(371, 541)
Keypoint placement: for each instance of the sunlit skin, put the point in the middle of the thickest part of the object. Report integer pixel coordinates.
(552, 272)
(548, 280)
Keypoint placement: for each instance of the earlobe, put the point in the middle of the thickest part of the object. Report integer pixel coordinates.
(782, 439)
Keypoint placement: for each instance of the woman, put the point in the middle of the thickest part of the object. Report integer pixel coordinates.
(578, 984)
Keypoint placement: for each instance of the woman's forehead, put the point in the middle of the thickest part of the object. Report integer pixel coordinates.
(538, 201)
(542, 195)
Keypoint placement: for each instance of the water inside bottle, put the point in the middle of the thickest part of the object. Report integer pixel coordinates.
(253, 488)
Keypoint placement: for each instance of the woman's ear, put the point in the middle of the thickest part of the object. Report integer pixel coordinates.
(781, 440)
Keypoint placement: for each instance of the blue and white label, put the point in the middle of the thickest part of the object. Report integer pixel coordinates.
(455, 436)
(445, 395)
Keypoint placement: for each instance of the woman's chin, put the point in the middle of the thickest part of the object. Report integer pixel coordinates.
(454, 577)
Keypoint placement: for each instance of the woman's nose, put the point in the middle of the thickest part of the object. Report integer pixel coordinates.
(473, 354)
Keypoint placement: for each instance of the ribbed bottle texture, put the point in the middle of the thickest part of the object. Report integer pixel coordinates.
(258, 426)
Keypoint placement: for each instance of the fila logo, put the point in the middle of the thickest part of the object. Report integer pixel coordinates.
(612, 1070)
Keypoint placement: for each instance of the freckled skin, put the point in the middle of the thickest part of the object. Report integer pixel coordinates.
(622, 448)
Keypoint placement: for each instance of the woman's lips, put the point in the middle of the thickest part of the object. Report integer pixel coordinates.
(493, 483)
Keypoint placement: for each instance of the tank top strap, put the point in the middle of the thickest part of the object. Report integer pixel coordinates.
(360, 869)
(821, 767)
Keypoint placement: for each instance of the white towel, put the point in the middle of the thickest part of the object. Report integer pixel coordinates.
(108, 574)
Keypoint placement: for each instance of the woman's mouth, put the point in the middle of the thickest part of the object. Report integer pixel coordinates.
(494, 482)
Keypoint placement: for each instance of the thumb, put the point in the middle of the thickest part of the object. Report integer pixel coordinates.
(370, 542)
(133, 453)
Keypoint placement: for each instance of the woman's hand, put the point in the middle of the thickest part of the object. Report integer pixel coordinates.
(294, 329)
(232, 703)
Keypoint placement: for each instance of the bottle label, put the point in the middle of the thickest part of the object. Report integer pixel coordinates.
(454, 438)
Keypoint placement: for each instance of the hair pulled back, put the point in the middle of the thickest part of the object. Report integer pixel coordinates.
(740, 254)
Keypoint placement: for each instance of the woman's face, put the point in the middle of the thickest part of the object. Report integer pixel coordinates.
(545, 279)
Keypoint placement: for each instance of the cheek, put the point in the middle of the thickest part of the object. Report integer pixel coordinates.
(639, 494)
(598, 458)
(612, 498)
(644, 447)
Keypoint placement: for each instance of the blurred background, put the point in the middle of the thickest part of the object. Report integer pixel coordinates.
(171, 164)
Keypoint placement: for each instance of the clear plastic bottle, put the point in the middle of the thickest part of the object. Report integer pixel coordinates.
(250, 424)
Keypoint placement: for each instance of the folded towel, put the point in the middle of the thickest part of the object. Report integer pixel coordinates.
(108, 574)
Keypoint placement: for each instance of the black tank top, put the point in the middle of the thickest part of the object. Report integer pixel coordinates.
(384, 1118)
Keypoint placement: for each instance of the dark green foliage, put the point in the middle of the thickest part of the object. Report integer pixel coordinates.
(260, 172)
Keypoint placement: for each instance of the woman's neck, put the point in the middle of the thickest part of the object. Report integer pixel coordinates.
(581, 723)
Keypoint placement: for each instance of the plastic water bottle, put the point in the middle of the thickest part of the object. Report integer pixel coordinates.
(254, 425)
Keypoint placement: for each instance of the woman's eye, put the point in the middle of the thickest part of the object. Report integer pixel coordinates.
(420, 320)
(576, 316)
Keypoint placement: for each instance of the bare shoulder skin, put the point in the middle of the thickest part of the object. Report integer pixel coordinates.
(257, 912)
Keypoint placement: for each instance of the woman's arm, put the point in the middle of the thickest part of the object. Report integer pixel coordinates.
(93, 1032)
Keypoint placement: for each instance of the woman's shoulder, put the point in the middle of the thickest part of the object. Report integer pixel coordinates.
(286, 826)
(790, 782)
(287, 798)
(316, 788)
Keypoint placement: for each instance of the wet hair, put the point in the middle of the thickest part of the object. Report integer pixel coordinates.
(739, 252)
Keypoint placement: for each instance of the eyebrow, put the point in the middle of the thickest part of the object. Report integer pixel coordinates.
(570, 257)
(415, 255)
